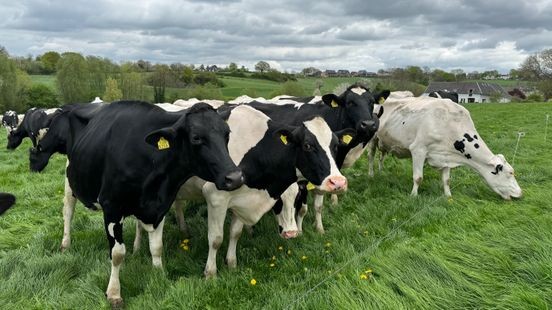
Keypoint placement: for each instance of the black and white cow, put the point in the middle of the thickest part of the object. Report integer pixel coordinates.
(34, 125)
(55, 139)
(11, 120)
(132, 157)
(6, 201)
(354, 108)
(445, 94)
(443, 134)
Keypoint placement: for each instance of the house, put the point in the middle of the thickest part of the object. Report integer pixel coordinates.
(329, 73)
(342, 72)
(471, 91)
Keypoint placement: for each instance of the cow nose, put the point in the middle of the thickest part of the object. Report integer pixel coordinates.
(369, 125)
(337, 183)
(289, 234)
(233, 180)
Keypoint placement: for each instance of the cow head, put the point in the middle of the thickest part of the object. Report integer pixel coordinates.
(53, 141)
(357, 102)
(15, 138)
(317, 146)
(500, 176)
(201, 138)
(10, 121)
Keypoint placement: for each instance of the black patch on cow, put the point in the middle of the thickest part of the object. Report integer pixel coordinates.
(403, 123)
(476, 146)
(470, 139)
(459, 146)
(6, 201)
(280, 228)
(468, 156)
(475, 137)
(277, 208)
(498, 168)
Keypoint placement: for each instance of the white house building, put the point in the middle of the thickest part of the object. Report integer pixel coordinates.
(480, 92)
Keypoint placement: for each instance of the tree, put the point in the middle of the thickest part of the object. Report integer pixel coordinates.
(233, 67)
(41, 96)
(99, 70)
(187, 75)
(8, 82)
(131, 82)
(159, 82)
(112, 91)
(538, 68)
(49, 61)
(459, 74)
(318, 84)
(262, 66)
(310, 71)
(72, 78)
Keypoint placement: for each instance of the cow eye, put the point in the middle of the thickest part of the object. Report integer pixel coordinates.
(39, 148)
(196, 140)
(307, 147)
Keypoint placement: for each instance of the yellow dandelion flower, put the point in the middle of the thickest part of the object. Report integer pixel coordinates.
(304, 257)
(289, 252)
(186, 241)
(185, 248)
(280, 248)
(327, 251)
(253, 282)
(363, 276)
(272, 265)
(273, 257)
(328, 244)
(365, 232)
(305, 269)
(368, 271)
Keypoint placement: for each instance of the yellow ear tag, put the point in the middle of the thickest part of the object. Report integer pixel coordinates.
(163, 144)
(381, 100)
(284, 139)
(346, 139)
(310, 186)
(334, 104)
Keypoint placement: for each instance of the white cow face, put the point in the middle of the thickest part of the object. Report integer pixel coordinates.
(501, 178)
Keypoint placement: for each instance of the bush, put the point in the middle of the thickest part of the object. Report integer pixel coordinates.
(41, 96)
(273, 75)
(203, 78)
(535, 97)
(208, 91)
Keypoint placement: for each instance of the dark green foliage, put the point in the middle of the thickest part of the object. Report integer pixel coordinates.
(41, 96)
(73, 78)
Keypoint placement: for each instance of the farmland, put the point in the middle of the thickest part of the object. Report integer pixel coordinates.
(382, 248)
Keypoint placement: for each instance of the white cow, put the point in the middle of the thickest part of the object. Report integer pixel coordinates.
(190, 102)
(443, 134)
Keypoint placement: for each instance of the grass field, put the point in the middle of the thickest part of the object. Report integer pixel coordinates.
(473, 251)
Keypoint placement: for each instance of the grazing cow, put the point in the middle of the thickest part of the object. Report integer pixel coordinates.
(34, 125)
(6, 201)
(55, 139)
(443, 133)
(11, 120)
(445, 94)
(132, 157)
(352, 109)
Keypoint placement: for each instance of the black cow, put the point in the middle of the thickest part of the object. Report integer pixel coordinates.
(352, 109)
(55, 139)
(34, 125)
(132, 157)
(445, 94)
(6, 201)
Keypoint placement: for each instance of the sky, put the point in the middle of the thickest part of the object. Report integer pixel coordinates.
(290, 35)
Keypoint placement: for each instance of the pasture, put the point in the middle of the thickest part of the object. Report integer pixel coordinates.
(382, 249)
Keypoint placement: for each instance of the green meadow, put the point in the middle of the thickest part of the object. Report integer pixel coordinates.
(382, 249)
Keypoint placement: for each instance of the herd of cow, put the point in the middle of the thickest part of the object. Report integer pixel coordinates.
(249, 155)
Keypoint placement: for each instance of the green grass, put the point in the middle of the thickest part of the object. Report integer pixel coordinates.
(474, 251)
(48, 80)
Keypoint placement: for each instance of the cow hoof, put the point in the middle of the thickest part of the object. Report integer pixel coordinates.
(210, 274)
(231, 263)
(116, 303)
(63, 248)
(320, 230)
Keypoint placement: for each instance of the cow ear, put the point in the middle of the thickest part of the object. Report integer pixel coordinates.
(345, 136)
(332, 100)
(161, 139)
(285, 134)
(381, 96)
(380, 110)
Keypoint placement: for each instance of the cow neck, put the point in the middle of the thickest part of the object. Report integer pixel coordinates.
(479, 158)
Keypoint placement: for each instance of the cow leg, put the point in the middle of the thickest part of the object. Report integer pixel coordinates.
(381, 159)
(217, 204)
(445, 176)
(318, 205)
(371, 153)
(69, 202)
(156, 244)
(236, 228)
(301, 216)
(137, 237)
(418, 160)
(335, 199)
(179, 212)
(114, 229)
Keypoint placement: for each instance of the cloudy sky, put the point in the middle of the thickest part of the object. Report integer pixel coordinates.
(290, 35)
